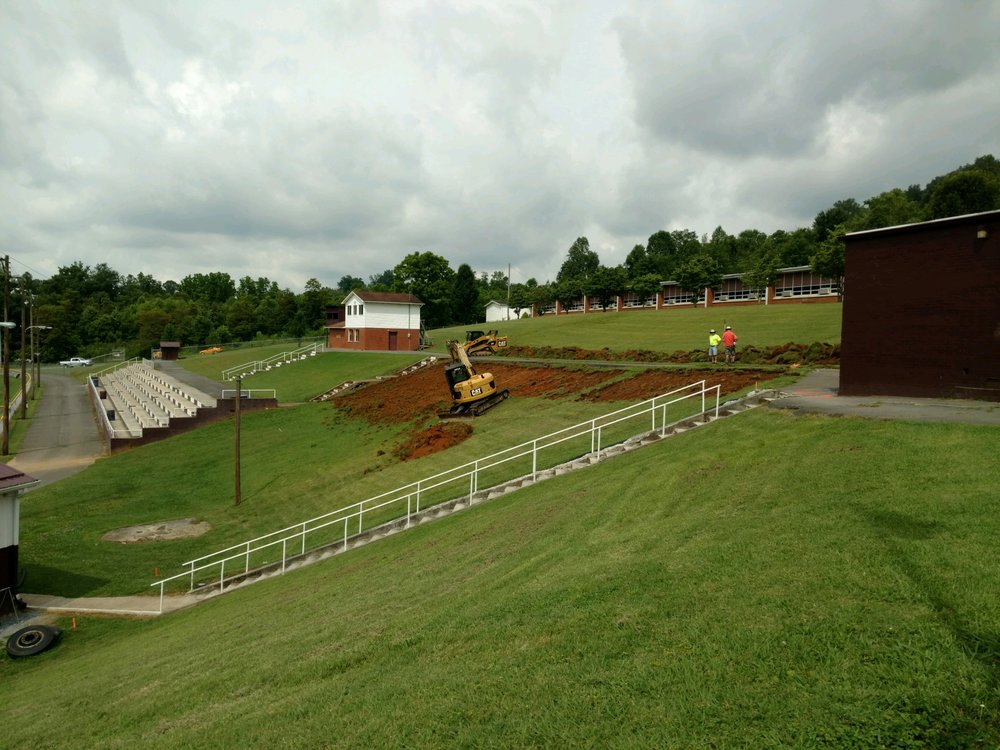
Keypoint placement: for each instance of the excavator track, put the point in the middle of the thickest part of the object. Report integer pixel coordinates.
(470, 411)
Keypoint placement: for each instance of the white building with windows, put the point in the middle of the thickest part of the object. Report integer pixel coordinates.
(375, 321)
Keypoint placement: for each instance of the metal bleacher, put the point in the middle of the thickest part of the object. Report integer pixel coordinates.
(137, 397)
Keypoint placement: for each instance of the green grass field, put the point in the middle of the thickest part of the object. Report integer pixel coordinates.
(735, 587)
(769, 580)
(683, 328)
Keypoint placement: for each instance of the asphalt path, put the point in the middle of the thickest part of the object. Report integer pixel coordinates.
(62, 437)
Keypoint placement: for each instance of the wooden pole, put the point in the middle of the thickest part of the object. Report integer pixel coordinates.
(24, 380)
(6, 359)
(239, 397)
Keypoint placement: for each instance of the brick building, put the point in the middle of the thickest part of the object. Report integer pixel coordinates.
(375, 321)
(922, 310)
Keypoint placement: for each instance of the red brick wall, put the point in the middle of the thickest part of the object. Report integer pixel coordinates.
(375, 339)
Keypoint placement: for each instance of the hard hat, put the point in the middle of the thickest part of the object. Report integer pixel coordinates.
(728, 327)
(712, 331)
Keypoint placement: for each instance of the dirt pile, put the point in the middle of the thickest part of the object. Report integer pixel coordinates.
(437, 437)
(418, 397)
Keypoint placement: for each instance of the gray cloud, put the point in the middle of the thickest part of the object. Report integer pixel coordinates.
(322, 139)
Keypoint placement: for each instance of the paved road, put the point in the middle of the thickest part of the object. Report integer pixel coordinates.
(817, 393)
(62, 437)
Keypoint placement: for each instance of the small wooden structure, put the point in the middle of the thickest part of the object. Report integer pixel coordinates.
(922, 310)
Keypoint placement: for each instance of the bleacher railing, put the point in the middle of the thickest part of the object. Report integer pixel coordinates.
(249, 368)
(526, 460)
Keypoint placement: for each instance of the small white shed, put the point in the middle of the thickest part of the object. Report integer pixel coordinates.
(496, 311)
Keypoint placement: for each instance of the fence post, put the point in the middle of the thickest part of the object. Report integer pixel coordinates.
(246, 565)
(303, 537)
(284, 554)
(222, 576)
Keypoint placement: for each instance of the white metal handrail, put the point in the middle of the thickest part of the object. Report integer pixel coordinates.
(249, 368)
(353, 515)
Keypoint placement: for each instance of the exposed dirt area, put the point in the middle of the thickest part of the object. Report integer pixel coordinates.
(432, 439)
(181, 528)
(423, 394)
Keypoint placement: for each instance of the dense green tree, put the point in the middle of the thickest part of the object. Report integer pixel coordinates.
(348, 284)
(828, 260)
(607, 284)
(646, 286)
(215, 287)
(792, 248)
(723, 247)
(569, 291)
(381, 282)
(888, 209)
(661, 253)
(312, 306)
(431, 279)
(465, 304)
(964, 192)
(581, 262)
(638, 263)
(520, 298)
(762, 273)
(698, 274)
(841, 212)
(541, 296)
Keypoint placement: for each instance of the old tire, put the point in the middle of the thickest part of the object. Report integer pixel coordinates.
(32, 640)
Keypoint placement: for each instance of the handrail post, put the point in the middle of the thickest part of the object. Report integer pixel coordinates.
(246, 566)
(303, 537)
(161, 597)
(284, 554)
(222, 576)
(534, 459)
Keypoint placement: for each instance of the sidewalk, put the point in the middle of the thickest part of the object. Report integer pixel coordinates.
(817, 393)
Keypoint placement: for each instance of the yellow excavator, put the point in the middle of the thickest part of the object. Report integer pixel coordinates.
(483, 342)
(472, 393)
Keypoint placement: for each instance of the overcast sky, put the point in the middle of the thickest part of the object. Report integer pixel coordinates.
(318, 139)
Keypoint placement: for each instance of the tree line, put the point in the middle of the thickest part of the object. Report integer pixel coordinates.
(95, 310)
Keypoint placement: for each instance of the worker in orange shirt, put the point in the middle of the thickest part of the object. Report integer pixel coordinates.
(729, 340)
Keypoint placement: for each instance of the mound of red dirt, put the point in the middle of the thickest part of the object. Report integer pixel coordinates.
(432, 439)
(422, 394)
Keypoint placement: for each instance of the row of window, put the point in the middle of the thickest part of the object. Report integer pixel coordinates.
(355, 309)
(353, 335)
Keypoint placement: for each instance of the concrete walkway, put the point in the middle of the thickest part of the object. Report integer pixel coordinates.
(62, 437)
(817, 393)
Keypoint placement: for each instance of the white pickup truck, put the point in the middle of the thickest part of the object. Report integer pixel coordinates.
(75, 362)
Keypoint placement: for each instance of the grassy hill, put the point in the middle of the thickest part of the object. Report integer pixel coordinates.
(683, 328)
(736, 587)
(767, 581)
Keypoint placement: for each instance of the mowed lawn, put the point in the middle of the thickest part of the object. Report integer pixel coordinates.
(682, 328)
(767, 581)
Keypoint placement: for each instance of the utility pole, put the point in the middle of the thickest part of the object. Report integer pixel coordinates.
(239, 397)
(24, 380)
(6, 359)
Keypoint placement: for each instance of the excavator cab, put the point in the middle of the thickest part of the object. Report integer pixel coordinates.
(483, 342)
(472, 393)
